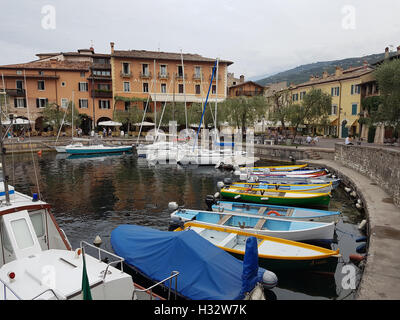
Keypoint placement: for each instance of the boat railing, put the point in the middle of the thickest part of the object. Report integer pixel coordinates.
(66, 238)
(149, 290)
(99, 252)
(7, 287)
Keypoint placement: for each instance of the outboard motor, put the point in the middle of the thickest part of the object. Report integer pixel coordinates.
(210, 200)
(227, 181)
(174, 223)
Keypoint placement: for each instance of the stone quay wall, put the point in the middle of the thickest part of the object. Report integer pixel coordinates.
(381, 165)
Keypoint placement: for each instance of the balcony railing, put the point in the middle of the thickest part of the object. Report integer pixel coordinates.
(179, 76)
(198, 76)
(163, 75)
(126, 75)
(145, 75)
(16, 92)
(101, 93)
(215, 77)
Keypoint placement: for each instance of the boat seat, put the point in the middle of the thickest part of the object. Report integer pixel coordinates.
(224, 218)
(260, 224)
(290, 212)
(262, 210)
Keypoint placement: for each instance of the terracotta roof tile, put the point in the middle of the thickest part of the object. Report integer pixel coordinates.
(50, 65)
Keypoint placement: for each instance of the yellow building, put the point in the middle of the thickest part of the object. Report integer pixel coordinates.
(345, 88)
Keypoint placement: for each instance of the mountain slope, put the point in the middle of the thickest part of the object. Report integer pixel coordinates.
(302, 73)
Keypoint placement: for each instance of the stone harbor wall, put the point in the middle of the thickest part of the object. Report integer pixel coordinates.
(382, 165)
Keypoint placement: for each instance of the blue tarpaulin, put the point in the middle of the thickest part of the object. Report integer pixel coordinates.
(206, 272)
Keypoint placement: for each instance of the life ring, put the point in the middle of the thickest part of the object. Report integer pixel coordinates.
(274, 212)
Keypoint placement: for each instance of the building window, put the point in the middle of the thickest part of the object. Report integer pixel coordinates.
(82, 74)
(295, 97)
(145, 69)
(145, 87)
(104, 86)
(335, 92)
(197, 88)
(41, 85)
(19, 72)
(41, 102)
(127, 105)
(127, 87)
(355, 89)
(83, 86)
(20, 102)
(354, 108)
(19, 84)
(104, 104)
(180, 88)
(163, 70)
(41, 73)
(334, 109)
(180, 71)
(214, 89)
(64, 102)
(302, 94)
(197, 72)
(125, 68)
(63, 84)
(83, 103)
(163, 88)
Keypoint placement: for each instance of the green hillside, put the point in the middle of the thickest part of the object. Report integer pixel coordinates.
(302, 73)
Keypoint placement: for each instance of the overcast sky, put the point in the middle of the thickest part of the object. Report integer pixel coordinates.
(259, 36)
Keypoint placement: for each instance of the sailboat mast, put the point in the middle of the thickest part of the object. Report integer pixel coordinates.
(72, 115)
(3, 152)
(184, 90)
(155, 98)
(216, 96)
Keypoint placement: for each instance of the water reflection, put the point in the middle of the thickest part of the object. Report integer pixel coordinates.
(93, 195)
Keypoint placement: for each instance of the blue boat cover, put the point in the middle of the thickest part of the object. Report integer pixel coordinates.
(206, 272)
(250, 266)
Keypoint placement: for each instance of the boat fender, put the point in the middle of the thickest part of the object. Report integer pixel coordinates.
(362, 248)
(172, 206)
(97, 241)
(265, 199)
(237, 197)
(362, 224)
(353, 194)
(175, 223)
(361, 239)
(358, 206)
(273, 212)
(216, 195)
(270, 280)
(220, 185)
(359, 201)
(237, 173)
(348, 190)
(356, 258)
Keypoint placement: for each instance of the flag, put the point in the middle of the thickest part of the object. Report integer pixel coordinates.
(85, 280)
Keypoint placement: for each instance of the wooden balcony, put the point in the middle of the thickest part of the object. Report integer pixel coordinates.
(101, 93)
(16, 92)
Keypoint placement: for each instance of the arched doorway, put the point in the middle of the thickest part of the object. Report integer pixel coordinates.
(86, 123)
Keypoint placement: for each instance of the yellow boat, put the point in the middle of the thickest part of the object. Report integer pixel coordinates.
(316, 187)
(277, 168)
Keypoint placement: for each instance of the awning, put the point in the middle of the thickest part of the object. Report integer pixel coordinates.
(335, 122)
(110, 124)
(144, 124)
(18, 121)
(354, 123)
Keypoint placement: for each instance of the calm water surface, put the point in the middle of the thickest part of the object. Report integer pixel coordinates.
(92, 196)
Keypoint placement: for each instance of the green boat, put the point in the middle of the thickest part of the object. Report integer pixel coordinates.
(277, 197)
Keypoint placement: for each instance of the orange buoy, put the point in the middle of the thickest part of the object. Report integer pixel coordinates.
(356, 258)
(40, 152)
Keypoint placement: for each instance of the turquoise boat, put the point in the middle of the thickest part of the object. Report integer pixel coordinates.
(96, 149)
(320, 187)
(277, 211)
(269, 226)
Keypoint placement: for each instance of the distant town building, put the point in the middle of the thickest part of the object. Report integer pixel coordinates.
(247, 88)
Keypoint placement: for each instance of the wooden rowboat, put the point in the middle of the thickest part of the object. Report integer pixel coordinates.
(297, 230)
(277, 197)
(274, 254)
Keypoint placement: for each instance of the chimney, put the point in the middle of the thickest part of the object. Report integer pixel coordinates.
(91, 49)
(112, 47)
(241, 78)
(325, 75)
(339, 71)
(312, 78)
(387, 54)
(398, 50)
(365, 64)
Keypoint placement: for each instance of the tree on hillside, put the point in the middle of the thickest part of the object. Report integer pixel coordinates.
(388, 77)
(242, 111)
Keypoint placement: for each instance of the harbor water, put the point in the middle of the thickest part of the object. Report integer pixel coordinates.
(91, 196)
